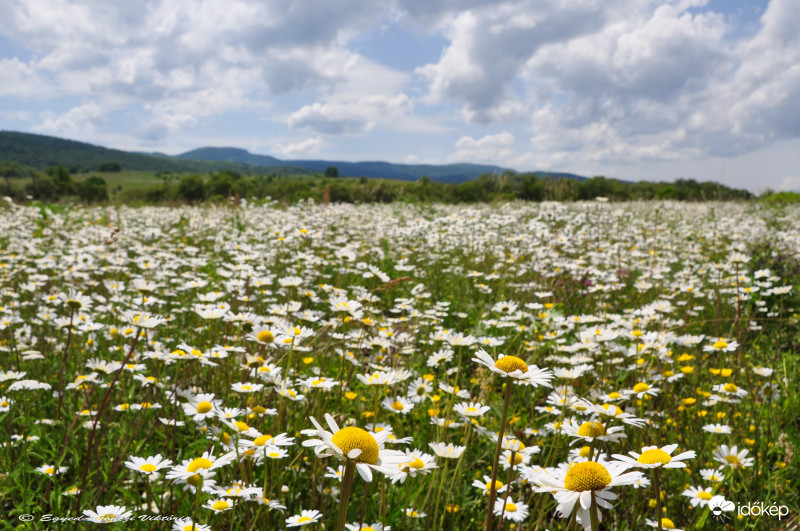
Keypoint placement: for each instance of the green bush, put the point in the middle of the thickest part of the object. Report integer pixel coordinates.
(93, 190)
(192, 188)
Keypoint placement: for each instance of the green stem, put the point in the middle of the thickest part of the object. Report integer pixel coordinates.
(657, 488)
(492, 491)
(594, 514)
(344, 498)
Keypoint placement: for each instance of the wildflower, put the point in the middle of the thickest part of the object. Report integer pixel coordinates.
(511, 510)
(201, 466)
(721, 345)
(513, 367)
(418, 464)
(654, 457)
(717, 428)
(354, 445)
(448, 451)
(486, 485)
(585, 482)
(50, 470)
(729, 457)
(149, 465)
(304, 518)
(398, 404)
(219, 505)
(471, 409)
(107, 514)
(187, 524)
(699, 496)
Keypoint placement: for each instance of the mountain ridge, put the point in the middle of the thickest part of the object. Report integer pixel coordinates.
(41, 151)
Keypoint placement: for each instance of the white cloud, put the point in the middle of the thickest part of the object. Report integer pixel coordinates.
(20, 80)
(791, 183)
(310, 146)
(76, 120)
(351, 117)
(496, 148)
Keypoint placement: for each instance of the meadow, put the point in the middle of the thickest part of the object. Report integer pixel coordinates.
(588, 365)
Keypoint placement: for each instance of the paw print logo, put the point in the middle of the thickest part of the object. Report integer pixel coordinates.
(719, 506)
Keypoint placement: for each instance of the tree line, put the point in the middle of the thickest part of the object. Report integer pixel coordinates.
(56, 183)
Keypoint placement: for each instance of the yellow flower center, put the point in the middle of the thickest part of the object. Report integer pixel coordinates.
(261, 441)
(50, 471)
(303, 519)
(591, 429)
(509, 364)
(398, 406)
(641, 387)
(666, 523)
(587, 476)
(510, 508)
(350, 438)
(730, 388)
(614, 395)
(721, 344)
(586, 451)
(198, 463)
(220, 505)
(193, 480)
(265, 336)
(703, 495)
(147, 467)
(517, 458)
(732, 459)
(416, 463)
(497, 485)
(274, 455)
(241, 426)
(651, 457)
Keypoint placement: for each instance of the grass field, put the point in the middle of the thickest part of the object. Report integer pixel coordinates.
(502, 366)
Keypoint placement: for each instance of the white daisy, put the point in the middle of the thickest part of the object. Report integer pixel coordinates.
(107, 514)
(356, 445)
(149, 465)
(513, 367)
(304, 518)
(655, 457)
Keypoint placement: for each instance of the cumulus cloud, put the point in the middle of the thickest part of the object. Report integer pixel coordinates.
(309, 146)
(496, 148)
(351, 117)
(490, 45)
(76, 120)
(20, 80)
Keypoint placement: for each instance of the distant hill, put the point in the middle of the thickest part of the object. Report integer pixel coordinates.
(41, 151)
(373, 169)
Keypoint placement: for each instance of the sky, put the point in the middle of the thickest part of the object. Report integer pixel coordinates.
(631, 89)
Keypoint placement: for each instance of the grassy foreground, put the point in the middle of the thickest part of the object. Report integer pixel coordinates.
(517, 366)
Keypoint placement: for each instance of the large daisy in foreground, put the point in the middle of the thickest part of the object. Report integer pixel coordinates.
(655, 457)
(583, 484)
(514, 367)
(356, 445)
